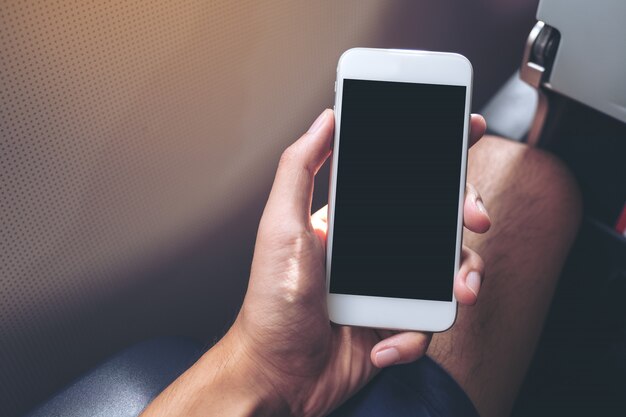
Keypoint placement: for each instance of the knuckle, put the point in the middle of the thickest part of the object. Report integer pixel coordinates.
(480, 264)
(474, 191)
(287, 156)
(295, 157)
(423, 344)
(420, 345)
(475, 260)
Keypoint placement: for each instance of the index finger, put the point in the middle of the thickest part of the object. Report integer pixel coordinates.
(290, 197)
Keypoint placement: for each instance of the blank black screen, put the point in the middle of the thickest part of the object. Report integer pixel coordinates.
(397, 189)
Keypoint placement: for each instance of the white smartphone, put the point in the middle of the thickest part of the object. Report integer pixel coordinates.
(397, 186)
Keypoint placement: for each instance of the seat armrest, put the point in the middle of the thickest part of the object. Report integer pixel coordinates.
(125, 384)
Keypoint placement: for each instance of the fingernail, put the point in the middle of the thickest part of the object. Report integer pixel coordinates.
(473, 282)
(387, 357)
(481, 207)
(317, 123)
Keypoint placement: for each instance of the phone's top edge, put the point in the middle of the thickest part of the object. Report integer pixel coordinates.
(413, 52)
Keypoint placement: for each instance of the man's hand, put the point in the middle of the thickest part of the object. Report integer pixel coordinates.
(282, 355)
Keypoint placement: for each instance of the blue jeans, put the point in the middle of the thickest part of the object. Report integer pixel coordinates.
(421, 388)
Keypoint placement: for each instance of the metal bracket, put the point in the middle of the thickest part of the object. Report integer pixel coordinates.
(539, 53)
(531, 72)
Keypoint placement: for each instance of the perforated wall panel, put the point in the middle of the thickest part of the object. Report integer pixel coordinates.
(126, 126)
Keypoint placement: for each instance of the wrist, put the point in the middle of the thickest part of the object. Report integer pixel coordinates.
(223, 382)
(237, 378)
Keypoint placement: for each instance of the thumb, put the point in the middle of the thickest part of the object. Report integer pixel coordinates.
(402, 347)
(290, 198)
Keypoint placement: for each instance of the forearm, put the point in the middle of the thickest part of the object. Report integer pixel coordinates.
(220, 383)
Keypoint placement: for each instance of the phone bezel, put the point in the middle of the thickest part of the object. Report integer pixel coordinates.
(402, 66)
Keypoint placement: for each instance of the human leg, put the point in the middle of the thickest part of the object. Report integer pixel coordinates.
(534, 206)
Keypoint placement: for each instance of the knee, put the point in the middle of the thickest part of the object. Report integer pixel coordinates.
(539, 182)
